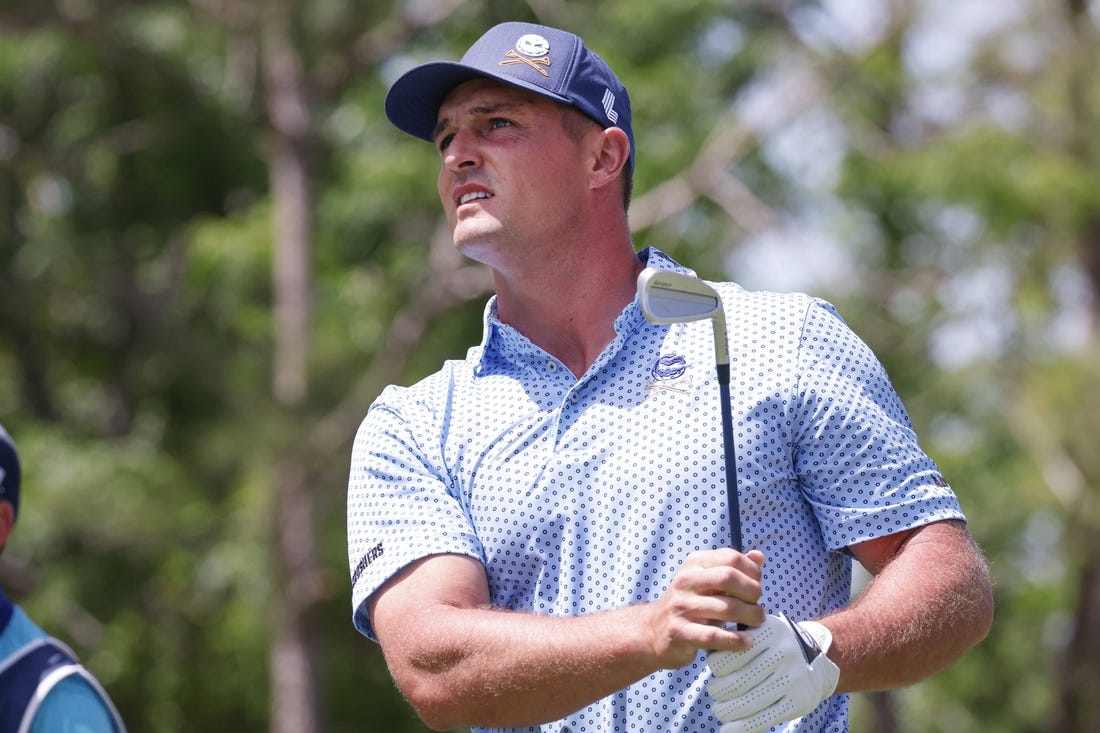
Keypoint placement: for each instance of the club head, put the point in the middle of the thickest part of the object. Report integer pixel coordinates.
(671, 297)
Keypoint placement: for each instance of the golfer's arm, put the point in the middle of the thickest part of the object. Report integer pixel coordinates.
(460, 663)
(929, 602)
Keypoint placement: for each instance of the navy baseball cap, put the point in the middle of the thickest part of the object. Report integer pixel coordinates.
(550, 62)
(9, 470)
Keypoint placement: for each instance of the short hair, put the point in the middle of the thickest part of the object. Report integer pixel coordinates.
(576, 124)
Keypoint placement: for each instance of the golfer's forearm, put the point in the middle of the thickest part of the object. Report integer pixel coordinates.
(922, 612)
(494, 668)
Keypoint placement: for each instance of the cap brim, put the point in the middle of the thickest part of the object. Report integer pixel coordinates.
(413, 101)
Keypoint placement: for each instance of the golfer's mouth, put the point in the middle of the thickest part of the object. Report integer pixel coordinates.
(473, 196)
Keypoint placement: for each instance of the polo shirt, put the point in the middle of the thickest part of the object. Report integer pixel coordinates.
(585, 494)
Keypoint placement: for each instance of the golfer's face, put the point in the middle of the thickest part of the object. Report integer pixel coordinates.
(511, 177)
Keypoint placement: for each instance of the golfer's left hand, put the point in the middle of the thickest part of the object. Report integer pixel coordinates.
(782, 676)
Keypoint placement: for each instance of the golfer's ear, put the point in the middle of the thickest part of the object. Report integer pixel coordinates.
(612, 155)
(7, 520)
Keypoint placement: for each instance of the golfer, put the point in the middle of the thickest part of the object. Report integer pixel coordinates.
(539, 534)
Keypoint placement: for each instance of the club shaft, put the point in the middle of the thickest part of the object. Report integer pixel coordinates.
(732, 500)
(731, 458)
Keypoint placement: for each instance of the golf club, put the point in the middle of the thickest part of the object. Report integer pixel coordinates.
(672, 297)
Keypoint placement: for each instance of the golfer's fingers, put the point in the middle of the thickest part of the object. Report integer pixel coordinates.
(777, 712)
(748, 562)
(735, 673)
(719, 568)
(720, 611)
(745, 696)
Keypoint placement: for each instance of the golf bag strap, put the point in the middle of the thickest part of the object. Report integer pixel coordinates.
(28, 676)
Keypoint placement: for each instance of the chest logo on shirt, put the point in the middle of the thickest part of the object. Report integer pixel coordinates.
(669, 372)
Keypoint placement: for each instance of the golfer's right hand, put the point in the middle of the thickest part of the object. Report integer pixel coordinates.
(711, 592)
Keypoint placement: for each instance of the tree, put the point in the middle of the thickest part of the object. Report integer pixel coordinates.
(216, 252)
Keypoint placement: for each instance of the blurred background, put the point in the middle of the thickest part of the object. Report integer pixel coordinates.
(215, 251)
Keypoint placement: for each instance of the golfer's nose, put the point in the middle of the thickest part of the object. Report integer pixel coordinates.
(462, 151)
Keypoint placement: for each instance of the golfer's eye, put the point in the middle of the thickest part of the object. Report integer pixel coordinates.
(499, 122)
(444, 142)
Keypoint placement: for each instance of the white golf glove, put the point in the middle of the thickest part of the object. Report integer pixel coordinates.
(782, 676)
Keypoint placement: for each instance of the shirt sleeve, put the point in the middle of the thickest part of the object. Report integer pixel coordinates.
(858, 459)
(72, 705)
(401, 505)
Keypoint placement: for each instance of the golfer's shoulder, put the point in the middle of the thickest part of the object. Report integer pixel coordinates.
(428, 394)
(768, 306)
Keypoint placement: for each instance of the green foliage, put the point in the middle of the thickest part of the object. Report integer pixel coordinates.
(136, 229)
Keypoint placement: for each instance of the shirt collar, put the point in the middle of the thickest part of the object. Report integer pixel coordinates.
(503, 342)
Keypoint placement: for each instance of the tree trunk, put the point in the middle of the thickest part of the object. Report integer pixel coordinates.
(294, 680)
(292, 662)
(1078, 705)
(884, 717)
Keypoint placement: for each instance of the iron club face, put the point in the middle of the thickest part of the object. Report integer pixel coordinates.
(672, 297)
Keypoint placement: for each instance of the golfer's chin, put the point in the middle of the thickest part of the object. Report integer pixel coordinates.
(477, 242)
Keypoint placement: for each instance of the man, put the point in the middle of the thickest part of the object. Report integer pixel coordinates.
(43, 688)
(538, 534)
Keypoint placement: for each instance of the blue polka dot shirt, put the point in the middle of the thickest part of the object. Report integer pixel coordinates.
(582, 495)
